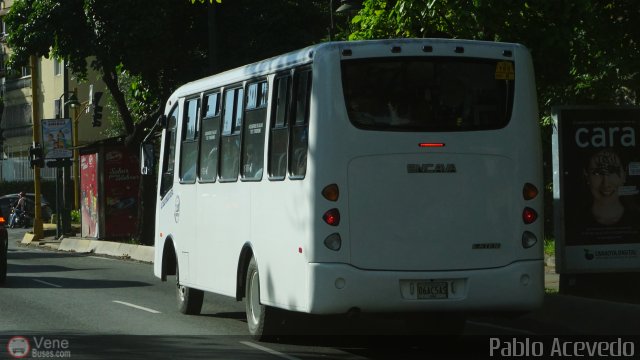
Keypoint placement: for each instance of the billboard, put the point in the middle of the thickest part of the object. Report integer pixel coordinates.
(57, 139)
(596, 189)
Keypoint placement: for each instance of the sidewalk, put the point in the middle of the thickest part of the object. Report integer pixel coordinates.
(560, 314)
(79, 245)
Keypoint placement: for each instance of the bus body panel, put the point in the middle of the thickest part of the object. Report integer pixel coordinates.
(401, 216)
(280, 242)
(516, 287)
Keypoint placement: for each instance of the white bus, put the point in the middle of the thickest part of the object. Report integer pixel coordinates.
(387, 176)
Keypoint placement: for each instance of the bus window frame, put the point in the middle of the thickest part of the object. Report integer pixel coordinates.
(204, 117)
(170, 143)
(195, 140)
(274, 126)
(259, 106)
(293, 118)
(235, 131)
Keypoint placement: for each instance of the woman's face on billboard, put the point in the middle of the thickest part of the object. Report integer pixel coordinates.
(605, 175)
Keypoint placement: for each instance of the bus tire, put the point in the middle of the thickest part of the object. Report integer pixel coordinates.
(261, 319)
(189, 300)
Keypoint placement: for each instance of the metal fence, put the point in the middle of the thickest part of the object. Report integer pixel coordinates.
(18, 169)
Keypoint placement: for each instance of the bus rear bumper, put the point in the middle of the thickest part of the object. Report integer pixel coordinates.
(339, 288)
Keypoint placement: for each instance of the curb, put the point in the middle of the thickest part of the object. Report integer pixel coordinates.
(128, 251)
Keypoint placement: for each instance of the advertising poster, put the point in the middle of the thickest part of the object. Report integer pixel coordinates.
(597, 169)
(89, 195)
(121, 185)
(57, 138)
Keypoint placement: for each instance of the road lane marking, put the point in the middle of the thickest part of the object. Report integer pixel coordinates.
(500, 327)
(103, 258)
(137, 307)
(270, 351)
(47, 283)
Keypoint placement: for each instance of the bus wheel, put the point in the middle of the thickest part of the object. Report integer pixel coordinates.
(189, 300)
(261, 319)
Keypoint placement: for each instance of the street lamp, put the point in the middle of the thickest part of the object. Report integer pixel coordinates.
(75, 104)
(349, 5)
(77, 107)
(345, 6)
(72, 101)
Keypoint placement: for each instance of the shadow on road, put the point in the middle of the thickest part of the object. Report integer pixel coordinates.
(62, 283)
(23, 269)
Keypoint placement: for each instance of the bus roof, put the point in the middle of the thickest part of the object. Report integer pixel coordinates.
(306, 55)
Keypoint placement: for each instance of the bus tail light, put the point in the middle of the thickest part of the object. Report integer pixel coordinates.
(333, 242)
(529, 215)
(332, 217)
(2, 220)
(331, 192)
(529, 239)
(529, 191)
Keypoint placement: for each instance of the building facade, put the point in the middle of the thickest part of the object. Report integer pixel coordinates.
(53, 87)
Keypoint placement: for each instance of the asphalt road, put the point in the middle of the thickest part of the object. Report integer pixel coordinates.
(93, 307)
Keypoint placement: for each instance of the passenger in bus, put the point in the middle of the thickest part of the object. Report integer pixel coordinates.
(251, 167)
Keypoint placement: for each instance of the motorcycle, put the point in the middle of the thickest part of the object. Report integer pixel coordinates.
(22, 219)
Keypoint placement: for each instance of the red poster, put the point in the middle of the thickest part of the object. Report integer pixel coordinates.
(89, 188)
(121, 185)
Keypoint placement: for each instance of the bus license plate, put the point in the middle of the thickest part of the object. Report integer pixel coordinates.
(432, 289)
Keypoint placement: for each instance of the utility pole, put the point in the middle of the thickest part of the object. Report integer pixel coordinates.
(38, 231)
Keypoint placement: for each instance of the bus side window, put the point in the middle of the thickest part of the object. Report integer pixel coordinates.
(300, 130)
(189, 148)
(253, 133)
(231, 126)
(210, 139)
(168, 164)
(279, 139)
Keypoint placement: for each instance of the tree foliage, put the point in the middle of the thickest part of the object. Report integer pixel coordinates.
(158, 46)
(132, 35)
(583, 50)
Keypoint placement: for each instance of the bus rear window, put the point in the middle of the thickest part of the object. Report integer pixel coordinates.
(428, 94)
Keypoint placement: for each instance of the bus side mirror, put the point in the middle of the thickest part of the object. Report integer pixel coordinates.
(147, 159)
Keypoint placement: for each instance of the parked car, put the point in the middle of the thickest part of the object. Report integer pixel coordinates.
(7, 201)
(4, 245)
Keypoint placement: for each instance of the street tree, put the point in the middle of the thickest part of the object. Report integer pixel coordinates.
(111, 36)
(584, 51)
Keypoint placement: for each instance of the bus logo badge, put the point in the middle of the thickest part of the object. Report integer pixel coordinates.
(176, 212)
(430, 168)
(485, 246)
